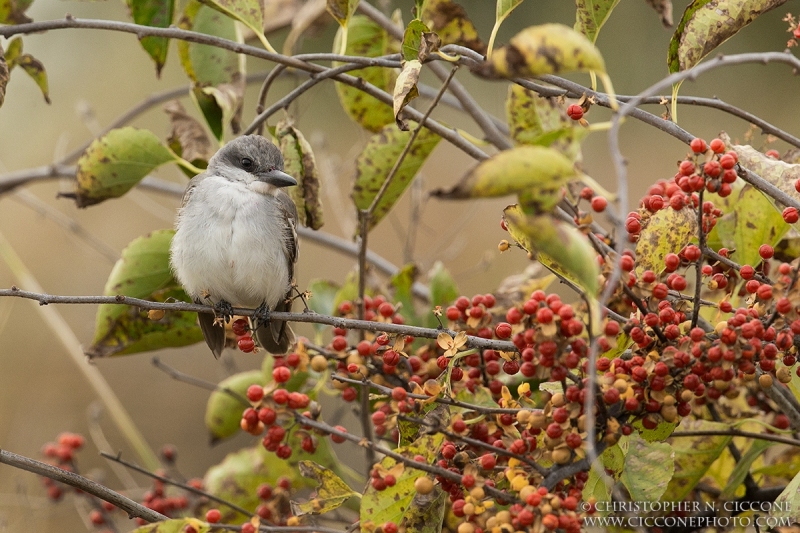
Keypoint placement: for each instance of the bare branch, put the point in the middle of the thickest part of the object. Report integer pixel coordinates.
(307, 317)
(134, 510)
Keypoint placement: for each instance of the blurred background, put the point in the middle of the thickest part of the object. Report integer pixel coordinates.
(95, 76)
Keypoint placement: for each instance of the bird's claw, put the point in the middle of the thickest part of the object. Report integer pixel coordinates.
(261, 316)
(223, 312)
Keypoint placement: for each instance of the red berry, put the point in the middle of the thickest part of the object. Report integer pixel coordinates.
(453, 313)
(462, 303)
(790, 215)
(386, 309)
(281, 374)
(503, 330)
(349, 394)
(599, 204)
(213, 516)
(338, 438)
(488, 461)
(339, 343)
(96, 517)
(717, 146)
(698, 145)
(774, 154)
(554, 430)
(575, 112)
(399, 394)
(255, 392)
(389, 527)
(248, 527)
(246, 344)
(240, 326)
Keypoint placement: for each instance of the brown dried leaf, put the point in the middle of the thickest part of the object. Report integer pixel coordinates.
(189, 134)
(405, 90)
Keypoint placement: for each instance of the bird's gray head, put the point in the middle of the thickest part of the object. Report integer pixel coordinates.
(251, 157)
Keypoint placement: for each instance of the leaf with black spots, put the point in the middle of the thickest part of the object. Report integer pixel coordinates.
(299, 162)
(376, 161)
(450, 22)
(405, 90)
(116, 162)
(13, 11)
(591, 15)
(156, 14)
(330, 493)
(143, 272)
(365, 38)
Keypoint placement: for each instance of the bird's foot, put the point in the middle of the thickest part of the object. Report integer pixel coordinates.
(261, 316)
(223, 311)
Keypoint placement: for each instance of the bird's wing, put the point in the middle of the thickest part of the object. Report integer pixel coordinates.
(190, 187)
(290, 232)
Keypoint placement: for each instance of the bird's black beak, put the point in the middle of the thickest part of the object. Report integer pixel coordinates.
(277, 178)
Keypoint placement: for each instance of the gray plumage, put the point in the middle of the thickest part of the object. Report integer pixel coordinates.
(235, 238)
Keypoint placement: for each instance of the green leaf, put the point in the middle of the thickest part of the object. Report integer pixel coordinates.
(376, 161)
(391, 504)
(323, 297)
(535, 173)
(174, 525)
(595, 487)
(331, 491)
(591, 15)
(248, 12)
(116, 162)
(742, 467)
(546, 49)
(666, 231)
(706, 24)
(157, 14)
(224, 410)
(443, 287)
(405, 90)
(299, 162)
(750, 220)
(787, 504)
(32, 67)
(13, 11)
(217, 75)
(648, 469)
(450, 22)
(143, 271)
(204, 64)
(237, 477)
(412, 39)
(659, 433)
(365, 38)
(426, 513)
(402, 283)
(693, 456)
(561, 248)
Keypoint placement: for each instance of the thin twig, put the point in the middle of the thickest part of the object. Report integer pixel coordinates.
(134, 510)
(117, 458)
(737, 433)
(197, 382)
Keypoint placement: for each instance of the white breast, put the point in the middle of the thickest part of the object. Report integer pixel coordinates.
(229, 245)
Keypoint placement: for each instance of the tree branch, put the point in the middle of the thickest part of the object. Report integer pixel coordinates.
(134, 510)
(306, 317)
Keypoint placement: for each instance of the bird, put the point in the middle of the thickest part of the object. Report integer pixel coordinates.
(235, 242)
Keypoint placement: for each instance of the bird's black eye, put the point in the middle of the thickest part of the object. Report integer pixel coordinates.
(247, 163)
